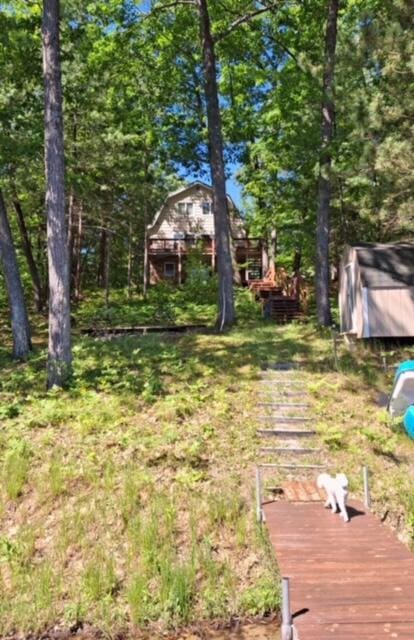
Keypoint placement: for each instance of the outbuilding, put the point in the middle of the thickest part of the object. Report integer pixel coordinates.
(376, 290)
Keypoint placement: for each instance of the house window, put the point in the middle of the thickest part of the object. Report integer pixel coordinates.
(206, 207)
(185, 208)
(169, 269)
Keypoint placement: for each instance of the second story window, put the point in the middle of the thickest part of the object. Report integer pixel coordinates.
(206, 207)
(185, 208)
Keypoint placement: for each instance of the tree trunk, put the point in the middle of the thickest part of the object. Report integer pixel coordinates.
(272, 252)
(77, 251)
(59, 354)
(19, 320)
(107, 267)
(71, 207)
(39, 294)
(130, 259)
(146, 266)
(325, 164)
(236, 270)
(103, 250)
(226, 314)
(297, 260)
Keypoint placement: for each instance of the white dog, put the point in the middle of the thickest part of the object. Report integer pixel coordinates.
(336, 492)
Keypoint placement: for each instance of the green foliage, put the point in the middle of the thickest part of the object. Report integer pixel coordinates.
(16, 463)
(262, 598)
(332, 436)
(384, 444)
(410, 515)
(99, 578)
(200, 285)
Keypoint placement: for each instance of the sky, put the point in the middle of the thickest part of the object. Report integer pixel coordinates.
(233, 187)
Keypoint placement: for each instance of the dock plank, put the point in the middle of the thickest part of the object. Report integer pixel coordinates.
(348, 581)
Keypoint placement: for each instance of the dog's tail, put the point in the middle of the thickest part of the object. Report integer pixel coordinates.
(321, 479)
(342, 479)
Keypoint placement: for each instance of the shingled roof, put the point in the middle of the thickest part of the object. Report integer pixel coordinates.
(386, 265)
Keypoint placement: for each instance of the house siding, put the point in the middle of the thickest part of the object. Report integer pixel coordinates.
(171, 223)
(174, 233)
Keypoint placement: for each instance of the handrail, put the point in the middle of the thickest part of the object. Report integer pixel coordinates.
(206, 243)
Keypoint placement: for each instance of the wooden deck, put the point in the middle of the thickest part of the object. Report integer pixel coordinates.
(348, 581)
(144, 329)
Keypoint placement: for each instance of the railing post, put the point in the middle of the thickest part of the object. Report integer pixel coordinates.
(367, 495)
(147, 242)
(335, 347)
(287, 629)
(259, 516)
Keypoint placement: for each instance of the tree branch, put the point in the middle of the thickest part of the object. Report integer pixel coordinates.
(246, 18)
(169, 5)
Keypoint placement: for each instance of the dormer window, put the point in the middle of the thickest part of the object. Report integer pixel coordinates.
(185, 208)
(206, 207)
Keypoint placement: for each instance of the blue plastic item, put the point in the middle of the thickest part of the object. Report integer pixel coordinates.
(409, 421)
(402, 395)
(407, 365)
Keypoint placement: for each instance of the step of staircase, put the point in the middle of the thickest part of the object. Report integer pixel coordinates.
(297, 451)
(289, 433)
(280, 418)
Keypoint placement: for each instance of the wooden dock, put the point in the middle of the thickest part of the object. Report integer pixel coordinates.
(348, 581)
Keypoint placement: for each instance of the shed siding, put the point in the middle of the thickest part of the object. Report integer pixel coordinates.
(391, 312)
(360, 300)
(349, 257)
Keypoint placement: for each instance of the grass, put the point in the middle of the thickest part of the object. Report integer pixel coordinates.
(127, 501)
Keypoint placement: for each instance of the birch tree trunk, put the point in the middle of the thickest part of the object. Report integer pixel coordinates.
(325, 164)
(226, 315)
(59, 354)
(19, 320)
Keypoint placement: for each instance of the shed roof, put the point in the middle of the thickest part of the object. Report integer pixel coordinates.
(386, 265)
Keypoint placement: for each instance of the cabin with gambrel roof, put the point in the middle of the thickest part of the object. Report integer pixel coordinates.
(186, 221)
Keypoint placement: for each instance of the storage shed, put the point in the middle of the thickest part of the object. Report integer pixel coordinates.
(376, 290)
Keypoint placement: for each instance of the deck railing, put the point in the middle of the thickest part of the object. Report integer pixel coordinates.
(182, 245)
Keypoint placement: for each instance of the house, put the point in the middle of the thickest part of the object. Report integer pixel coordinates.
(186, 221)
(376, 290)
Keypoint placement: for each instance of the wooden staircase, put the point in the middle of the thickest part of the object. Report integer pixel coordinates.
(282, 309)
(279, 295)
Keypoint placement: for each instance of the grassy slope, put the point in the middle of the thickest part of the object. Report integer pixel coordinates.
(129, 499)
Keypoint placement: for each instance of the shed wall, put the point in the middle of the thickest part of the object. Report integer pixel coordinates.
(391, 312)
(349, 257)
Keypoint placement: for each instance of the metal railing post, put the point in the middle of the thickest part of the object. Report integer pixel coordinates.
(335, 348)
(367, 495)
(259, 516)
(287, 629)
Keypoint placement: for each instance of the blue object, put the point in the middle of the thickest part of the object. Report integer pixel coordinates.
(402, 395)
(407, 365)
(409, 421)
